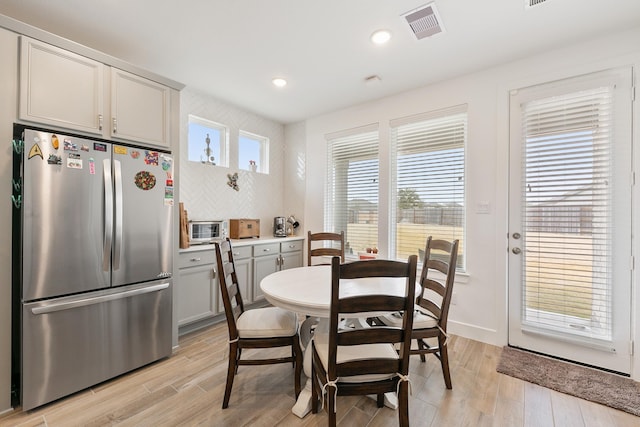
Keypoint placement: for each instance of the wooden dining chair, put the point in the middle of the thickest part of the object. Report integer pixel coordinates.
(256, 328)
(363, 361)
(432, 305)
(336, 240)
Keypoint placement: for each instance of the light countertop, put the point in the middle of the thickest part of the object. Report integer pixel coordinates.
(244, 242)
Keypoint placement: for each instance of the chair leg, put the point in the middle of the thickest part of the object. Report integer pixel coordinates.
(331, 405)
(444, 361)
(234, 354)
(403, 404)
(422, 346)
(380, 400)
(297, 353)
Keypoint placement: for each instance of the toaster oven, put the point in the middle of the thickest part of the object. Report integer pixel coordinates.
(202, 232)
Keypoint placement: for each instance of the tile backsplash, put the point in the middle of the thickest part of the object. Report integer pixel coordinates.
(204, 189)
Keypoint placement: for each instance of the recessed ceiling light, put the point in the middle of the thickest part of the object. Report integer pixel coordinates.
(380, 36)
(279, 82)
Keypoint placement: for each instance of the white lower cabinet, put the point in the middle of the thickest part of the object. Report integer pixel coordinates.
(198, 288)
(271, 257)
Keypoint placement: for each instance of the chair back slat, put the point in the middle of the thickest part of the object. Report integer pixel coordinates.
(370, 336)
(336, 240)
(435, 286)
(369, 366)
(370, 303)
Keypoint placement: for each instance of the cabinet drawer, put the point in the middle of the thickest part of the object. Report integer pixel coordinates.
(292, 246)
(266, 249)
(241, 252)
(193, 259)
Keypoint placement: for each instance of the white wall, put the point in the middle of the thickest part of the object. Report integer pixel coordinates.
(8, 96)
(203, 188)
(295, 172)
(481, 309)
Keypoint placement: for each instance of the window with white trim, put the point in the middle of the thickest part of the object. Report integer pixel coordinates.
(352, 188)
(428, 190)
(207, 142)
(253, 152)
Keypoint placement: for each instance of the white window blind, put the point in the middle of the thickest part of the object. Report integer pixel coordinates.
(429, 162)
(352, 188)
(566, 212)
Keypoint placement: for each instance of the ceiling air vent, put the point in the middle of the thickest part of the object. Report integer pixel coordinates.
(425, 21)
(532, 3)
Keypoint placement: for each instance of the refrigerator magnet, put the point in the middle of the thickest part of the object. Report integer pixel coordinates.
(135, 154)
(54, 142)
(54, 160)
(151, 157)
(92, 166)
(35, 151)
(118, 149)
(166, 163)
(145, 180)
(100, 147)
(84, 147)
(73, 163)
(70, 146)
(168, 196)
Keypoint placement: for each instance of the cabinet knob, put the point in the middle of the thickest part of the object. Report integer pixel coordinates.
(266, 250)
(195, 259)
(99, 121)
(115, 125)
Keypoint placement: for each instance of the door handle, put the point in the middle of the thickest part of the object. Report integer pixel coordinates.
(108, 215)
(119, 199)
(516, 251)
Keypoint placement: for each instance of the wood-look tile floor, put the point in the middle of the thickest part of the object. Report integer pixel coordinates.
(187, 388)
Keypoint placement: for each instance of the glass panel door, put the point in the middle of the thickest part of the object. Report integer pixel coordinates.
(570, 219)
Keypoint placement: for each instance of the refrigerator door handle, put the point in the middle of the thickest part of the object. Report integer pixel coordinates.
(82, 302)
(108, 215)
(118, 214)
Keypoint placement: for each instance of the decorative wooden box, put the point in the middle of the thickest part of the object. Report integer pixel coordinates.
(244, 228)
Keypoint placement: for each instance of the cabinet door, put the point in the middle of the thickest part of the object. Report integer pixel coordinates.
(139, 109)
(290, 260)
(196, 293)
(60, 88)
(262, 267)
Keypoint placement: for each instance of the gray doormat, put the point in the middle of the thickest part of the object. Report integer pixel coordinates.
(587, 383)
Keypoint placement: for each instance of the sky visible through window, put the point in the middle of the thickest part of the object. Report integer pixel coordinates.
(197, 143)
(249, 150)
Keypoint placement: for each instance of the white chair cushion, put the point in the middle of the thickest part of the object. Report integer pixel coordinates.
(355, 352)
(420, 320)
(267, 322)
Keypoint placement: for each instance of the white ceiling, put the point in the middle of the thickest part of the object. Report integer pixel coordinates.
(232, 49)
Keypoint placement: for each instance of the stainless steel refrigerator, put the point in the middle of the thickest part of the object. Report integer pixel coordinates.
(93, 236)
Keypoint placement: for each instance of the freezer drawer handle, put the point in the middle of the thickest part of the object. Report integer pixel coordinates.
(97, 300)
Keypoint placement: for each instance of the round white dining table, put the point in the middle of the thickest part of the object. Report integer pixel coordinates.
(307, 290)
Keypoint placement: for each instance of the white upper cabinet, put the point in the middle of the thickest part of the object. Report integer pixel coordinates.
(67, 90)
(139, 109)
(60, 88)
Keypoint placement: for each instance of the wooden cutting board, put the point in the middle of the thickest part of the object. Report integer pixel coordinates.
(184, 227)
